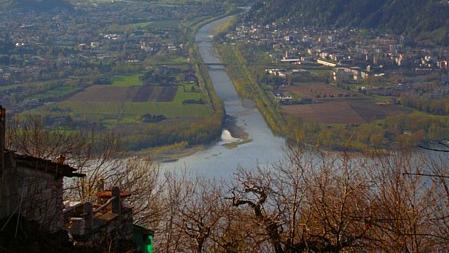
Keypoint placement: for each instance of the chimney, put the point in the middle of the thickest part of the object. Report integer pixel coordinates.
(88, 217)
(117, 202)
(2, 138)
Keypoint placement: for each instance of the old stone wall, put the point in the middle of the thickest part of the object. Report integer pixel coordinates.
(43, 198)
(35, 195)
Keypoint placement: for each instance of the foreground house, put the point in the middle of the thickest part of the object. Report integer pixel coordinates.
(33, 215)
(31, 187)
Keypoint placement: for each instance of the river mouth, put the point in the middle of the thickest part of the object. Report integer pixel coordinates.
(233, 135)
(236, 132)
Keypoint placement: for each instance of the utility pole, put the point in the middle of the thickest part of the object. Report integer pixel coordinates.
(2, 161)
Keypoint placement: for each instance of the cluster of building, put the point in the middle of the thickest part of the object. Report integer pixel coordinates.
(369, 61)
(342, 48)
(368, 53)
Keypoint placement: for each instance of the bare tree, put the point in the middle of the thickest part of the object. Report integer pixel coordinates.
(312, 202)
(440, 200)
(402, 206)
(30, 137)
(200, 213)
(170, 236)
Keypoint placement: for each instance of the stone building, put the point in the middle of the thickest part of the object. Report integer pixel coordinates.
(31, 187)
(31, 191)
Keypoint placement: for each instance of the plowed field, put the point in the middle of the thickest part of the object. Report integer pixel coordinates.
(103, 93)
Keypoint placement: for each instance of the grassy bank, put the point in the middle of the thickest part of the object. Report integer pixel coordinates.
(247, 86)
(224, 27)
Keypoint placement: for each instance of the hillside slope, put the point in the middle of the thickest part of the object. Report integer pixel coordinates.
(420, 19)
(34, 5)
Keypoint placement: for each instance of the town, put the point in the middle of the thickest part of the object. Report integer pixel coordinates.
(342, 75)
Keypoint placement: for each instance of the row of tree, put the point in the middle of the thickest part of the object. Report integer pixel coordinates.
(399, 131)
(429, 105)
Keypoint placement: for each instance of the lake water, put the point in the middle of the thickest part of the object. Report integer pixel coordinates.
(218, 161)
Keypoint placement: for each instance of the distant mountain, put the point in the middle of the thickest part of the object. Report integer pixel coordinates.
(35, 5)
(421, 19)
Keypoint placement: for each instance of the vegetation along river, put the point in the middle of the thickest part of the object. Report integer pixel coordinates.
(221, 159)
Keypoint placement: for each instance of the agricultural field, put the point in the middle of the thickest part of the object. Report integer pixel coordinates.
(110, 106)
(102, 93)
(126, 81)
(342, 111)
(317, 91)
(332, 105)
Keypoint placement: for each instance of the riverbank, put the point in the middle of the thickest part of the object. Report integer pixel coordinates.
(169, 153)
(247, 86)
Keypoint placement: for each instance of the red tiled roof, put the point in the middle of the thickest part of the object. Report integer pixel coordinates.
(108, 194)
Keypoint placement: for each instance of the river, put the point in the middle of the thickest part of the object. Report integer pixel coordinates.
(219, 161)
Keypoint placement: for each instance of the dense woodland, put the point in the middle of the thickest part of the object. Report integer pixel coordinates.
(421, 19)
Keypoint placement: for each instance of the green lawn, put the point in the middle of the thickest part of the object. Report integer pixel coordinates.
(184, 93)
(165, 59)
(9, 86)
(141, 25)
(169, 24)
(56, 93)
(127, 81)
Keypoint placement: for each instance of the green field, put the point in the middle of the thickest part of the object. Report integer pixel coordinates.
(56, 93)
(155, 26)
(127, 81)
(111, 114)
(166, 59)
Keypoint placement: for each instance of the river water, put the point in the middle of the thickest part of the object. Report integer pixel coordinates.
(218, 161)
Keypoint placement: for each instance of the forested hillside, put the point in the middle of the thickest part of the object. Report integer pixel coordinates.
(35, 5)
(420, 19)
